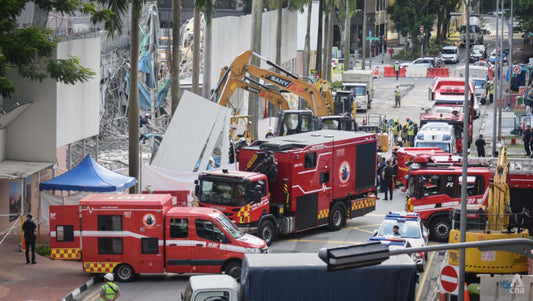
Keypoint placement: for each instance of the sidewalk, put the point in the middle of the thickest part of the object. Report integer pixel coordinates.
(47, 280)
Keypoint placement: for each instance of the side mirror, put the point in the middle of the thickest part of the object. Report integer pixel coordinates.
(375, 232)
(196, 188)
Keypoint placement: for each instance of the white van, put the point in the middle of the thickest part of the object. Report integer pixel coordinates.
(437, 134)
(450, 54)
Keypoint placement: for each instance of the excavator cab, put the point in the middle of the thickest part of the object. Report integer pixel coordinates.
(344, 103)
(295, 121)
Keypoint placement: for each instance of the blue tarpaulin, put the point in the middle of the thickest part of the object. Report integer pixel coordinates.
(89, 176)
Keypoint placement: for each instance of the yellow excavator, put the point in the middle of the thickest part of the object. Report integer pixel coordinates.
(496, 222)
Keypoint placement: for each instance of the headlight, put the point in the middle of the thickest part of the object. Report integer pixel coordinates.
(420, 136)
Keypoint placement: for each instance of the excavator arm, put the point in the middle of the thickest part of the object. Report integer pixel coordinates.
(241, 66)
(499, 194)
(254, 87)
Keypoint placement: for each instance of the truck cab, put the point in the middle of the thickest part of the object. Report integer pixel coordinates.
(437, 134)
(211, 288)
(361, 84)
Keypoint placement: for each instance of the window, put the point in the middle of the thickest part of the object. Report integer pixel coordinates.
(65, 233)
(429, 185)
(208, 230)
(110, 245)
(150, 245)
(310, 160)
(324, 177)
(179, 228)
(474, 185)
(212, 296)
(109, 222)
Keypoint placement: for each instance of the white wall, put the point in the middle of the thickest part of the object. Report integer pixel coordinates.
(231, 36)
(60, 114)
(78, 105)
(302, 27)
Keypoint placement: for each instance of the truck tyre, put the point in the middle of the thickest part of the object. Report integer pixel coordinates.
(124, 272)
(267, 231)
(440, 229)
(337, 217)
(233, 269)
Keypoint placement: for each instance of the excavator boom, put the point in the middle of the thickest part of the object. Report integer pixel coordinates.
(273, 97)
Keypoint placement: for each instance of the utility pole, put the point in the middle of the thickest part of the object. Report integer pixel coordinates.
(500, 95)
(364, 37)
(495, 86)
(510, 55)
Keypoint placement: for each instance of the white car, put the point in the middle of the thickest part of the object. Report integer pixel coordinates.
(437, 134)
(425, 62)
(411, 230)
(450, 54)
(480, 89)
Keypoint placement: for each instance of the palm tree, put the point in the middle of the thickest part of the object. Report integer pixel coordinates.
(176, 54)
(307, 46)
(253, 100)
(208, 8)
(347, 39)
(279, 7)
(196, 50)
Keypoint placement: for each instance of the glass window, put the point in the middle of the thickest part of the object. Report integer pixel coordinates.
(65, 233)
(109, 222)
(150, 245)
(310, 160)
(179, 228)
(474, 185)
(110, 245)
(307, 122)
(429, 185)
(212, 296)
(229, 226)
(208, 230)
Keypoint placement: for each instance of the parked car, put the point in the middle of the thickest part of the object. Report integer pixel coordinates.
(475, 55)
(450, 54)
(481, 48)
(425, 62)
(485, 29)
(410, 229)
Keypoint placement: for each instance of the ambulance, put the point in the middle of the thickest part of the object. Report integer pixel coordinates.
(437, 134)
(128, 234)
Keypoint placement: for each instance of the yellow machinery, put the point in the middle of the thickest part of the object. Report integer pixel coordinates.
(498, 226)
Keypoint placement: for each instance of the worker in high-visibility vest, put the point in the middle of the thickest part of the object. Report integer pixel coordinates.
(397, 69)
(404, 132)
(396, 129)
(397, 97)
(109, 290)
(491, 91)
(411, 133)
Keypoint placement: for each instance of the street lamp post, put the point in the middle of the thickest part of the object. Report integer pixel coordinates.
(495, 86)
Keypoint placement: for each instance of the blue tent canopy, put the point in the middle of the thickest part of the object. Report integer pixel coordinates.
(89, 176)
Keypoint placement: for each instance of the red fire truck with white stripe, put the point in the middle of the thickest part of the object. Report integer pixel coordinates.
(295, 183)
(131, 234)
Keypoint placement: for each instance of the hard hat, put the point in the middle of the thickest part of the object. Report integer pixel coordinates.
(109, 277)
(396, 62)
(396, 120)
(468, 150)
(407, 119)
(380, 154)
(399, 139)
(410, 121)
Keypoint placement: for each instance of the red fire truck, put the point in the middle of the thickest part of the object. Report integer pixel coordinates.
(406, 154)
(131, 234)
(295, 183)
(434, 189)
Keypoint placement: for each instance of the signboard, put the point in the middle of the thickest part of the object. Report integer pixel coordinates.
(517, 69)
(521, 90)
(313, 71)
(449, 279)
(370, 33)
(372, 38)
(421, 28)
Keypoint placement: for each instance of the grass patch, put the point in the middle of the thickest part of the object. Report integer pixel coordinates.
(43, 250)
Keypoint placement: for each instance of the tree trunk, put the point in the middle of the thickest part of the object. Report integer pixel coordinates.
(279, 3)
(307, 48)
(347, 39)
(208, 39)
(318, 59)
(329, 48)
(133, 101)
(439, 24)
(176, 54)
(324, 71)
(196, 52)
(363, 56)
(40, 16)
(253, 100)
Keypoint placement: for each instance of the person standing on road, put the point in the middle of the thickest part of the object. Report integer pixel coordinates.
(397, 97)
(394, 165)
(109, 290)
(29, 238)
(480, 145)
(411, 133)
(396, 129)
(386, 175)
(404, 133)
(397, 69)
(391, 52)
(527, 140)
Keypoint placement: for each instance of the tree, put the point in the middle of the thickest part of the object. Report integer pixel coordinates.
(30, 50)
(196, 50)
(208, 8)
(253, 100)
(523, 11)
(307, 46)
(176, 54)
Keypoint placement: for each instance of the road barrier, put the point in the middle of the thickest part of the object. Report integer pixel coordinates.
(437, 72)
(414, 71)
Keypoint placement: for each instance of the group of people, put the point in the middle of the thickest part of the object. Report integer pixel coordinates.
(404, 135)
(387, 169)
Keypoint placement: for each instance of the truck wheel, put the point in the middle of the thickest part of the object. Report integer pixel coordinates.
(233, 269)
(124, 272)
(267, 231)
(440, 229)
(337, 217)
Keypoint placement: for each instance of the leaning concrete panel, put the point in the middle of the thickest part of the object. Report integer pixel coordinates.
(196, 121)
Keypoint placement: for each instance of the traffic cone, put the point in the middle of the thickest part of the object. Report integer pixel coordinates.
(442, 296)
(467, 294)
(376, 72)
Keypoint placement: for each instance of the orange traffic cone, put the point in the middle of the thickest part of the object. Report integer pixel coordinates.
(376, 72)
(467, 294)
(442, 296)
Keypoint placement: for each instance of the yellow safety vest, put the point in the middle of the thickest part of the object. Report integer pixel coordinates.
(396, 67)
(411, 130)
(396, 128)
(397, 92)
(110, 290)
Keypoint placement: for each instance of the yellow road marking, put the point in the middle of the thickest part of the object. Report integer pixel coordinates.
(326, 241)
(428, 267)
(94, 296)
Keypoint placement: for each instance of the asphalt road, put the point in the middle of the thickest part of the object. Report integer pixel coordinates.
(414, 99)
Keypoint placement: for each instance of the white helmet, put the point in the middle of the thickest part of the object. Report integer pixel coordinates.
(109, 276)
(399, 139)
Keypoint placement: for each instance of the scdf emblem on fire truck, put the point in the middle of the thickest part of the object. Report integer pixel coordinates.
(344, 172)
(149, 220)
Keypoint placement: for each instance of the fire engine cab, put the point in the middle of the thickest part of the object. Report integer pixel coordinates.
(131, 234)
(434, 189)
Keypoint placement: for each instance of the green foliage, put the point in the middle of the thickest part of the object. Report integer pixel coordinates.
(337, 85)
(30, 49)
(404, 55)
(434, 48)
(523, 11)
(43, 250)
